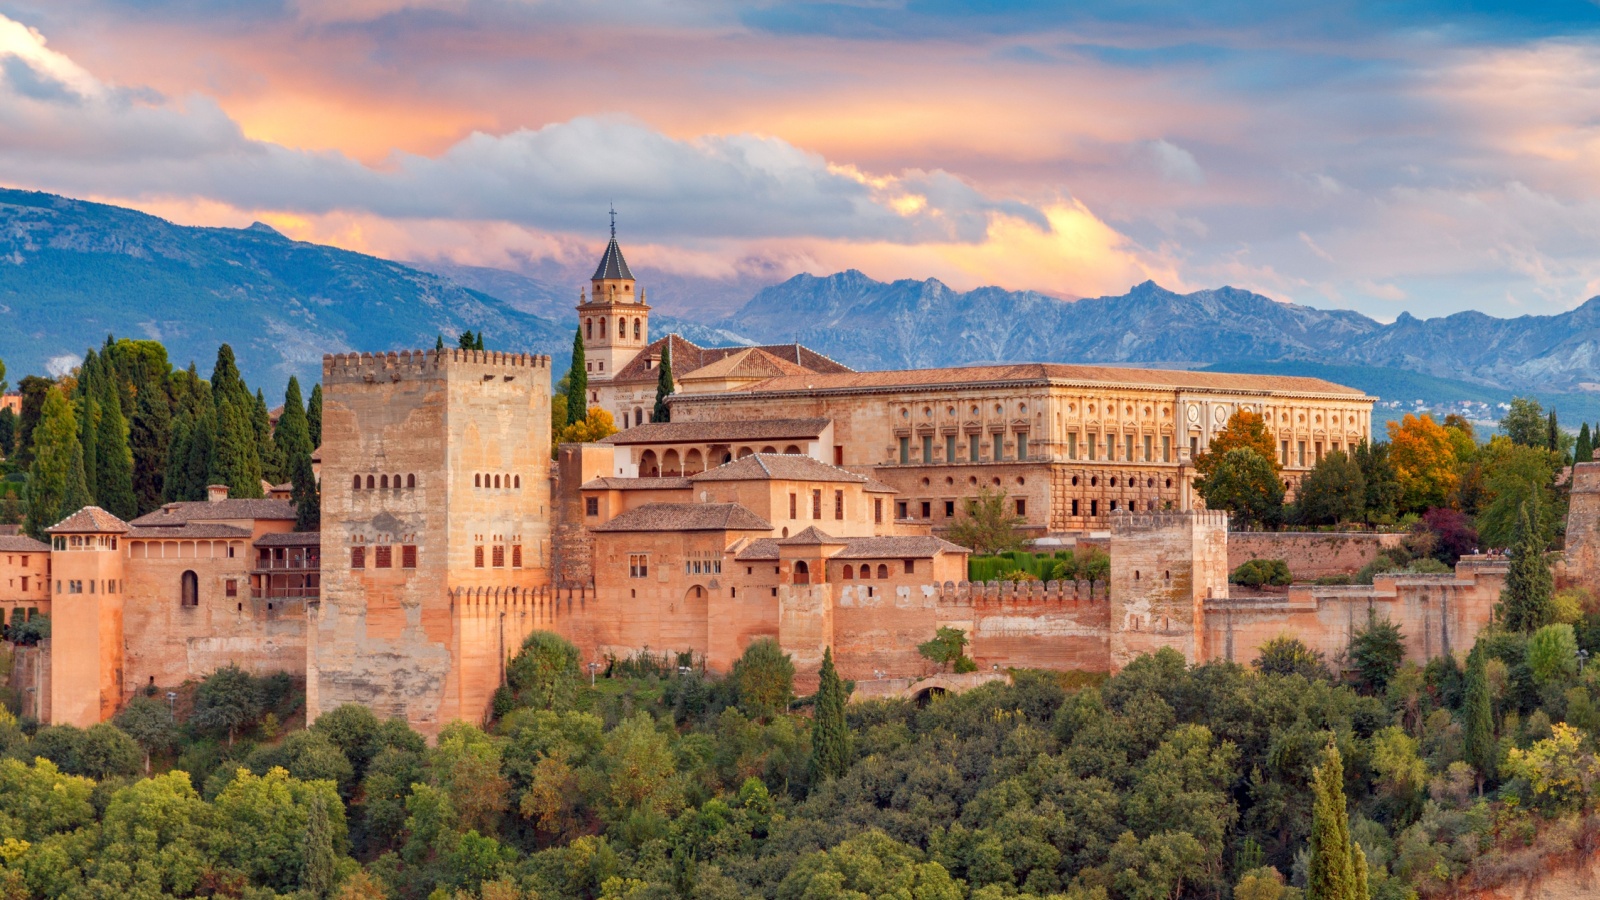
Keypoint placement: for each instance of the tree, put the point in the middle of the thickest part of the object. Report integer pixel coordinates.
(293, 433)
(1516, 476)
(467, 340)
(577, 381)
(1552, 433)
(1337, 869)
(1584, 451)
(115, 484)
(763, 679)
(1527, 600)
(597, 425)
(272, 462)
(306, 494)
(1424, 459)
(1376, 652)
(319, 865)
(1553, 654)
(228, 699)
(1525, 423)
(987, 526)
(314, 417)
(151, 725)
(1285, 655)
(1245, 483)
(1383, 484)
(34, 390)
(947, 648)
(149, 436)
(830, 732)
(664, 387)
(1089, 564)
(8, 432)
(56, 454)
(1333, 491)
(545, 673)
(1244, 430)
(1479, 744)
(1453, 534)
(235, 454)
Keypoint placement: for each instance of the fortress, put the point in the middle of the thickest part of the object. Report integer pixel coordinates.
(789, 498)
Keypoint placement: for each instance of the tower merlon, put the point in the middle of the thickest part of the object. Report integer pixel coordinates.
(396, 364)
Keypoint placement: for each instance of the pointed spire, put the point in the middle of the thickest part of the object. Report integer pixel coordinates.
(612, 265)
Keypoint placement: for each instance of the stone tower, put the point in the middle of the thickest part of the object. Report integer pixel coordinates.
(1583, 526)
(1164, 567)
(435, 482)
(613, 317)
(86, 617)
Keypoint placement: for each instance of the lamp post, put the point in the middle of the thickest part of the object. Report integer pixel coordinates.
(172, 703)
(1583, 657)
(593, 667)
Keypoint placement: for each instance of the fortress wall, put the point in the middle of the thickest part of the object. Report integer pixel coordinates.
(1310, 554)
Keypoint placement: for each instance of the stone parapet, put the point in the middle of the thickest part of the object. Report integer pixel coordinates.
(1125, 522)
(349, 367)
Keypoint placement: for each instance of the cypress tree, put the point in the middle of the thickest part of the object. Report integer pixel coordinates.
(149, 437)
(307, 495)
(8, 431)
(77, 495)
(88, 435)
(1480, 743)
(319, 862)
(235, 461)
(115, 481)
(293, 435)
(226, 384)
(830, 734)
(314, 417)
(664, 388)
(175, 484)
(577, 382)
(272, 468)
(1332, 874)
(1527, 602)
(438, 343)
(202, 446)
(1584, 451)
(1552, 432)
(55, 450)
(478, 342)
(465, 341)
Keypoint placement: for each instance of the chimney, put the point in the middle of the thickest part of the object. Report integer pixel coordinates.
(216, 493)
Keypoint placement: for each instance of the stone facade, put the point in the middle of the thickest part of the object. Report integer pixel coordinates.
(24, 578)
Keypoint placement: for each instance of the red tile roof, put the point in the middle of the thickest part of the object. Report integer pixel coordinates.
(726, 431)
(687, 517)
(688, 357)
(205, 510)
(89, 520)
(778, 467)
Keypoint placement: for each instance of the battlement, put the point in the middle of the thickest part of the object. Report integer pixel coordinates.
(990, 593)
(1125, 522)
(397, 364)
(1586, 478)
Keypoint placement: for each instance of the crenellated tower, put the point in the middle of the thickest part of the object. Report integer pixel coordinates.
(613, 315)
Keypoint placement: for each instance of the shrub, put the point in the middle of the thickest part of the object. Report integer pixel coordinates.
(1257, 572)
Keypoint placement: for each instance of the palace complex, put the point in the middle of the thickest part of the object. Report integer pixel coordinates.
(788, 498)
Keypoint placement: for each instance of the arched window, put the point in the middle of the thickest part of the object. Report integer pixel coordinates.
(370, 482)
(648, 467)
(356, 484)
(602, 329)
(636, 330)
(802, 572)
(638, 416)
(411, 481)
(883, 571)
(383, 482)
(769, 449)
(396, 481)
(669, 464)
(588, 328)
(516, 481)
(792, 450)
(497, 481)
(189, 586)
(622, 328)
(693, 463)
(477, 480)
(849, 573)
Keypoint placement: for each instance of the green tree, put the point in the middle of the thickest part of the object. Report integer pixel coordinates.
(227, 700)
(546, 673)
(987, 526)
(235, 457)
(577, 382)
(272, 462)
(1383, 482)
(948, 647)
(8, 432)
(34, 390)
(57, 469)
(1246, 484)
(664, 387)
(314, 416)
(869, 864)
(1285, 655)
(1527, 601)
(293, 433)
(320, 862)
(1515, 476)
(1553, 654)
(1525, 423)
(830, 732)
(115, 484)
(1584, 451)
(1376, 652)
(763, 679)
(306, 493)
(261, 825)
(1244, 430)
(467, 340)
(1335, 859)
(149, 436)
(151, 725)
(1480, 744)
(1552, 433)
(1333, 491)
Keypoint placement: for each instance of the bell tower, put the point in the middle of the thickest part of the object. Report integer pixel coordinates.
(613, 316)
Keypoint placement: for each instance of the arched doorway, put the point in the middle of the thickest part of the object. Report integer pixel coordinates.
(802, 573)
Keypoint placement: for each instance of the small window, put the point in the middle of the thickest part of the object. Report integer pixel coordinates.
(1022, 507)
(477, 480)
(793, 506)
(497, 481)
(356, 484)
(477, 557)
(838, 504)
(900, 509)
(591, 506)
(905, 450)
(849, 573)
(189, 585)
(949, 509)
(638, 565)
(411, 481)
(408, 556)
(499, 556)
(229, 588)
(358, 557)
(877, 510)
(516, 481)
(516, 556)
(383, 483)
(816, 504)
(370, 482)
(927, 509)
(911, 566)
(384, 557)
(883, 572)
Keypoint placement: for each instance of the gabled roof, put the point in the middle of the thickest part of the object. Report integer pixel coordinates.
(207, 510)
(190, 530)
(778, 467)
(761, 548)
(612, 265)
(689, 357)
(21, 543)
(907, 547)
(290, 539)
(811, 537)
(751, 362)
(720, 432)
(89, 520)
(613, 483)
(687, 517)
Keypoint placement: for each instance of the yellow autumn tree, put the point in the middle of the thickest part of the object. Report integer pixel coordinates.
(1245, 429)
(1424, 458)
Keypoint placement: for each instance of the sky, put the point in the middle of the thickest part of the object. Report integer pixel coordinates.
(1417, 156)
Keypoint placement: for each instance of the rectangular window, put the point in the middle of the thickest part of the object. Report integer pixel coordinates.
(1127, 448)
(1166, 448)
(793, 506)
(905, 450)
(408, 556)
(1094, 509)
(1072, 445)
(838, 454)
(358, 557)
(499, 556)
(477, 557)
(1022, 507)
(1194, 446)
(516, 556)
(1022, 446)
(1300, 450)
(877, 510)
(229, 588)
(1284, 460)
(1074, 507)
(384, 558)
(927, 510)
(638, 565)
(900, 509)
(838, 504)
(999, 447)
(1319, 451)
(1149, 448)
(24, 582)
(973, 451)
(949, 509)
(1093, 444)
(816, 504)
(927, 448)
(591, 506)
(1111, 447)
(911, 566)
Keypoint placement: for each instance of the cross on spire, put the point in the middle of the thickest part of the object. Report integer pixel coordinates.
(613, 221)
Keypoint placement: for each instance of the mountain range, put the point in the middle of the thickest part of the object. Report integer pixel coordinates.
(72, 271)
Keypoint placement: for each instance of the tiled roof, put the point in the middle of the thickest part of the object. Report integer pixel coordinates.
(761, 548)
(687, 517)
(778, 467)
(21, 543)
(612, 265)
(290, 539)
(89, 520)
(689, 357)
(811, 537)
(188, 530)
(10, 529)
(907, 547)
(720, 432)
(204, 510)
(612, 483)
(874, 486)
(750, 362)
(1040, 373)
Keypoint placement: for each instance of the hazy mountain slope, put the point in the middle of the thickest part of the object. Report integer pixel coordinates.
(71, 272)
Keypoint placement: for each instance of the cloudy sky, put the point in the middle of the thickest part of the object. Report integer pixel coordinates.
(1423, 156)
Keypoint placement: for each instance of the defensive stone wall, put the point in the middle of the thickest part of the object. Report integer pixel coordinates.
(1582, 557)
(490, 624)
(1311, 554)
(1166, 566)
